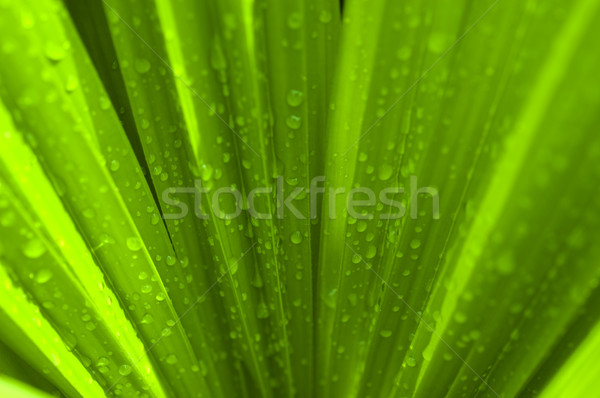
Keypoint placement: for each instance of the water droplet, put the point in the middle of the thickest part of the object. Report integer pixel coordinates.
(104, 103)
(293, 122)
(207, 172)
(294, 20)
(296, 237)
(171, 260)
(415, 243)
(361, 226)
(410, 361)
(325, 16)
(352, 299)
(385, 333)
(48, 305)
(54, 51)
(404, 53)
(437, 42)
(35, 248)
(146, 288)
(295, 98)
(43, 276)
(147, 318)
(262, 311)
(134, 243)
(385, 172)
(371, 251)
(114, 165)
(217, 58)
(124, 370)
(257, 280)
(460, 317)
(142, 65)
(171, 359)
(102, 365)
(72, 84)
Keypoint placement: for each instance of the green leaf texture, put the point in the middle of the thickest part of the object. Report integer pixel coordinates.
(471, 270)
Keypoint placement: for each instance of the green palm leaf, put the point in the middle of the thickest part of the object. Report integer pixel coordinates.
(299, 198)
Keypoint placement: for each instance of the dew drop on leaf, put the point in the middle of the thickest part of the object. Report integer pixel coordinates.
(385, 172)
(437, 42)
(102, 365)
(295, 98)
(460, 317)
(89, 213)
(124, 370)
(293, 122)
(294, 20)
(134, 243)
(35, 248)
(160, 296)
(146, 288)
(262, 311)
(104, 103)
(404, 53)
(385, 333)
(371, 251)
(170, 260)
(296, 237)
(54, 51)
(171, 359)
(43, 276)
(410, 361)
(325, 16)
(147, 318)
(48, 305)
(114, 165)
(142, 65)
(361, 226)
(352, 299)
(72, 84)
(207, 172)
